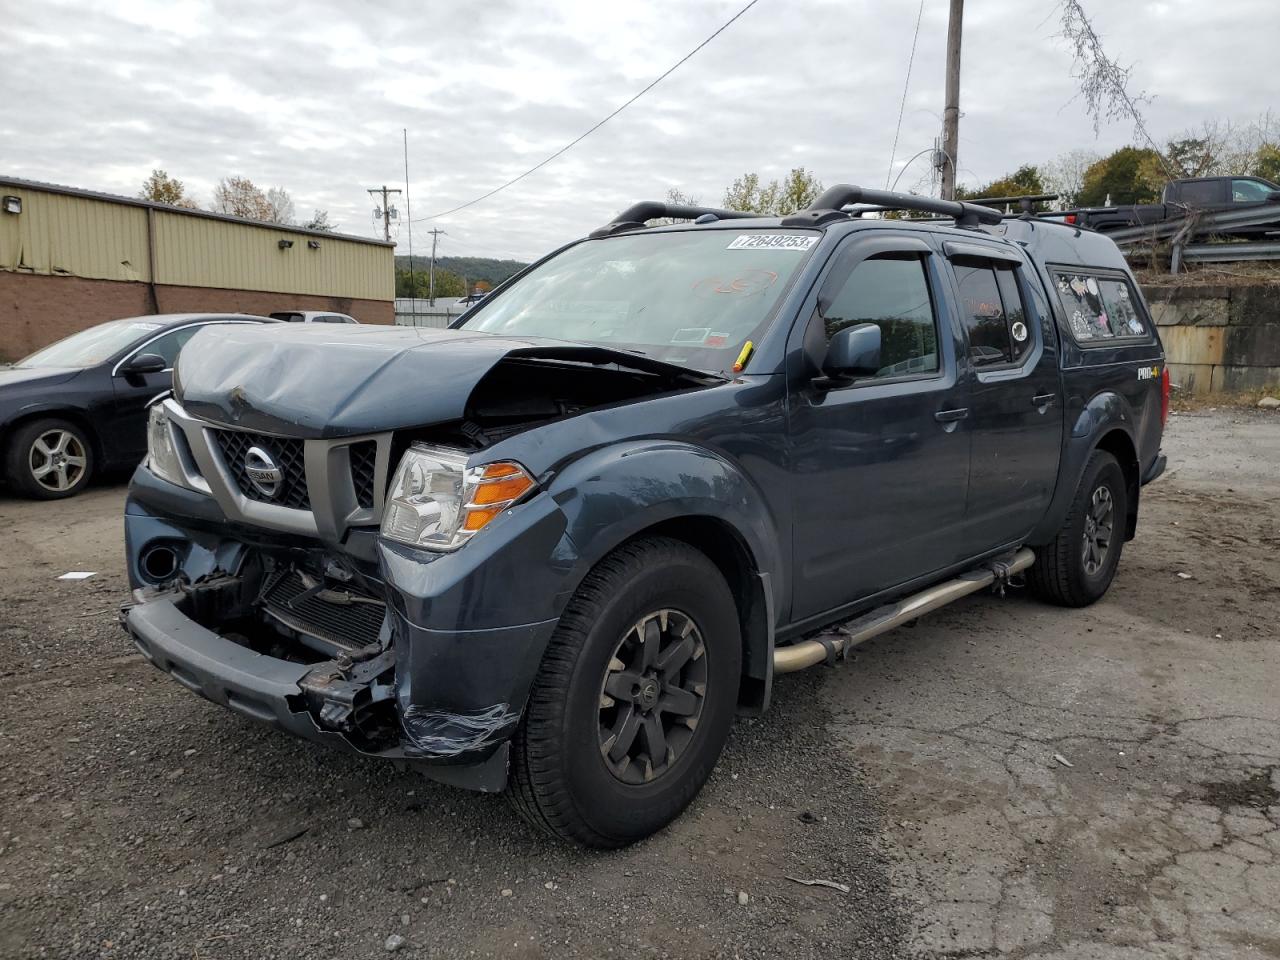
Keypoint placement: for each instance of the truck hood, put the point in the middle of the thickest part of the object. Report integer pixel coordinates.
(325, 381)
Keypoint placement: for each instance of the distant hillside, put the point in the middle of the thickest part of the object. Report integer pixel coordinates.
(472, 268)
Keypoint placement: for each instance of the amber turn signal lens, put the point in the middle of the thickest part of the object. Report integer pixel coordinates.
(501, 491)
(478, 518)
(495, 471)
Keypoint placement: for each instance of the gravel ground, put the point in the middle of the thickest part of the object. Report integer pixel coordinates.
(1003, 779)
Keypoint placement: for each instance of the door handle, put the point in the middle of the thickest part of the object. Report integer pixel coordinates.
(950, 416)
(1044, 400)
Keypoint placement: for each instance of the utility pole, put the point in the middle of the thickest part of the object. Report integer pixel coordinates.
(386, 210)
(431, 294)
(951, 111)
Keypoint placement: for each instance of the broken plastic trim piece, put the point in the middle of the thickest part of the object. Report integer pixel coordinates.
(440, 733)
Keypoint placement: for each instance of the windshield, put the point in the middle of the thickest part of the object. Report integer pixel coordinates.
(688, 297)
(92, 346)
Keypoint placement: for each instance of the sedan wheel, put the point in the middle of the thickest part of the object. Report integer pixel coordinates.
(57, 460)
(49, 459)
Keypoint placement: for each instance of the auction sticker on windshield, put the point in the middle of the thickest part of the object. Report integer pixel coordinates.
(772, 241)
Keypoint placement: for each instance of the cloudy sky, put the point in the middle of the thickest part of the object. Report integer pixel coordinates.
(313, 96)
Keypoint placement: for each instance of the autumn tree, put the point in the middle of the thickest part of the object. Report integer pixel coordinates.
(1122, 176)
(162, 188)
(777, 199)
(1025, 181)
(241, 197)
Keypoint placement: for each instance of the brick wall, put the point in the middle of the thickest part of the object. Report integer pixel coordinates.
(36, 310)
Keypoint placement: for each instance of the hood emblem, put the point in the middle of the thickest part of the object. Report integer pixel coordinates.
(263, 473)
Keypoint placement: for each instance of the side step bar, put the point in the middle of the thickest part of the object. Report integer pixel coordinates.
(807, 653)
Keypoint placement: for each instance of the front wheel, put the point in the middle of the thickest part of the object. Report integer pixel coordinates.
(49, 459)
(1076, 568)
(634, 699)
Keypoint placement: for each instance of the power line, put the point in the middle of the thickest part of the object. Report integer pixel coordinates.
(573, 143)
(903, 105)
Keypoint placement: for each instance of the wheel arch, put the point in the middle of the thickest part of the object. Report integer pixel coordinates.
(693, 494)
(1105, 423)
(70, 414)
(1120, 445)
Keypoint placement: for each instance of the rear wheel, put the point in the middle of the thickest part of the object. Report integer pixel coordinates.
(49, 459)
(1077, 566)
(634, 698)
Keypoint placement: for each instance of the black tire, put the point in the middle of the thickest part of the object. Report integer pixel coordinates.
(1062, 573)
(48, 459)
(563, 781)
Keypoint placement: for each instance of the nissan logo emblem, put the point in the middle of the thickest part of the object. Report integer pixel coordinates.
(266, 477)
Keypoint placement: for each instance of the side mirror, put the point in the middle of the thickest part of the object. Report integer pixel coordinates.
(853, 352)
(143, 363)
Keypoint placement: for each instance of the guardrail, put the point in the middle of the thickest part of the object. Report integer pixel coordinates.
(1231, 252)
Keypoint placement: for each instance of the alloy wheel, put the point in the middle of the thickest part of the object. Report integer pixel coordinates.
(651, 697)
(57, 460)
(1098, 523)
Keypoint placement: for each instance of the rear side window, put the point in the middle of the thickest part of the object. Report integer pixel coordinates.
(995, 319)
(288, 317)
(892, 293)
(1099, 309)
(1201, 192)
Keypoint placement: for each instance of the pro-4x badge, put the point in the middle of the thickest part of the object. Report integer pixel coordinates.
(1148, 373)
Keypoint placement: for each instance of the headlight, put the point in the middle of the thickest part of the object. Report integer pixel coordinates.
(162, 451)
(437, 502)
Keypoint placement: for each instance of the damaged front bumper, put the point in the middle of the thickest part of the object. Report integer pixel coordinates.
(444, 698)
(316, 701)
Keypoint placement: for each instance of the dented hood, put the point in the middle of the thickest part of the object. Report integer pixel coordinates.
(320, 380)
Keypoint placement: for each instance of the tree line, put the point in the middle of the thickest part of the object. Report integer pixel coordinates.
(237, 197)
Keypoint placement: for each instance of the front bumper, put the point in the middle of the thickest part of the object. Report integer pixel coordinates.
(270, 691)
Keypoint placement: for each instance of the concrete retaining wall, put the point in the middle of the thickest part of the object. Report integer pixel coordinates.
(1219, 338)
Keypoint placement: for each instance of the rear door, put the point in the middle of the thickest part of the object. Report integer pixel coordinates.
(880, 464)
(1010, 367)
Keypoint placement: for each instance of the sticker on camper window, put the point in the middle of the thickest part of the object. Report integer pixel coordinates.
(693, 336)
(772, 241)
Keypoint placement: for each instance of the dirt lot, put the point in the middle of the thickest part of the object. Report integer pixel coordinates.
(1003, 779)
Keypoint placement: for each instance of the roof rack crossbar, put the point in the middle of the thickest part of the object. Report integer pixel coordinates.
(843, 195)
(635, 216)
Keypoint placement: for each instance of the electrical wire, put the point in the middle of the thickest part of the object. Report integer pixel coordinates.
(573, 143)
(903, 105)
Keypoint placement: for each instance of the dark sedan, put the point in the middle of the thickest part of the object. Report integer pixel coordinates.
(78, 406)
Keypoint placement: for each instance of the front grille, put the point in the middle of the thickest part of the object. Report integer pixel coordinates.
(364, 456)
(286, 452)
(344, 617)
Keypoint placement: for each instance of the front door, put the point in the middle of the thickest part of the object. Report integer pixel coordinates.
(126, 426)
(880, 464)
(1015, 393)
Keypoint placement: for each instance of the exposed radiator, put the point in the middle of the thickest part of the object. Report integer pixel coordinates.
(340, 616)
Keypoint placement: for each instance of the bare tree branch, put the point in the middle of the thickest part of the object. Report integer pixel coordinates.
(1104, 83)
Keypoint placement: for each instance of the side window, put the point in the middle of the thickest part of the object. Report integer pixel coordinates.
(1099, 309)
(1201, 193)
(995, 319)
(1249, 191)
(169, 345)
(892, 293)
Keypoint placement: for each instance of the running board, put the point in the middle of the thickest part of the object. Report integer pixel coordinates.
(808, 653)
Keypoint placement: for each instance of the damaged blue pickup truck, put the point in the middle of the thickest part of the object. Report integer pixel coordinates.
(556, 548)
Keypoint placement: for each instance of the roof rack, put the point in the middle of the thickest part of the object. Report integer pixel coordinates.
(634, 217)
(1024, 203)
(831, 205)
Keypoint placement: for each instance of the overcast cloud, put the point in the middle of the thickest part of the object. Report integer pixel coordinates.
(313, 96)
